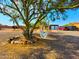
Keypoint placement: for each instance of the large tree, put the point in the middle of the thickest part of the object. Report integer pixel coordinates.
(34, 11)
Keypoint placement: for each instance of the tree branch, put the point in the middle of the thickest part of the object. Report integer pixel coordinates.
(20, 12)
(9, 6)
(41, 17)
(5, 13)
(69, 7)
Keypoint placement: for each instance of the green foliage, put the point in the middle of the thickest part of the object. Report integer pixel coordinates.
(66, 25)
(27, 11)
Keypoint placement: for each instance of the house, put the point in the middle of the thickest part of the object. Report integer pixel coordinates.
(72, 26)
(75, 24)
(53, 27)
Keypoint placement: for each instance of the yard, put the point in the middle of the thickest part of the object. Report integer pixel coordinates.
(58, 44)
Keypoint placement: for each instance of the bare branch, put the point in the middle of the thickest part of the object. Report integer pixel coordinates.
(20, 12)
(9, 6)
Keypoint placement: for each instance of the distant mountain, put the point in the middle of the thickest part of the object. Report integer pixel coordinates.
(5, 26)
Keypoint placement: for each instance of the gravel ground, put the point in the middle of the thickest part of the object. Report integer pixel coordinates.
(8, 33)
(62, 45)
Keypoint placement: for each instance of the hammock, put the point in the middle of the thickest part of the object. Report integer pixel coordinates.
(43, 33)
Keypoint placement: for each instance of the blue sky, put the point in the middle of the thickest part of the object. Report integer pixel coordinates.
(73, 16)
(5, 20)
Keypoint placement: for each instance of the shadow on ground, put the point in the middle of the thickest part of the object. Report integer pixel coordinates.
(66, 46)
(60, 47)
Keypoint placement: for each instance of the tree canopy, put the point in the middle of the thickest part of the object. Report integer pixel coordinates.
(28, 11)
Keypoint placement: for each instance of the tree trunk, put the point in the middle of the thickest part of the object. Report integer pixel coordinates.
(28, 36)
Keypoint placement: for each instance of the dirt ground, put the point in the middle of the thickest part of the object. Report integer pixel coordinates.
(57, 45)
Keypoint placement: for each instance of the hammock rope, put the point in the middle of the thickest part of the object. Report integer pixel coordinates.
(44, 32)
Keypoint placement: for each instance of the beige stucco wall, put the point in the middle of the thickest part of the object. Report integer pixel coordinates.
(75, 24)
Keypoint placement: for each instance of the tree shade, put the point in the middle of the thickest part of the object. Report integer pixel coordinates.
(27, 11)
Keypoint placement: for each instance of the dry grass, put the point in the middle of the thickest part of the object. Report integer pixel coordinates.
(11, 30)
(37, 50)
(58, 45)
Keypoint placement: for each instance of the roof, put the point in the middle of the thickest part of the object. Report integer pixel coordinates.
(75, 23)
